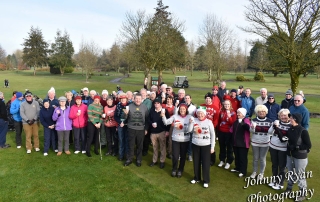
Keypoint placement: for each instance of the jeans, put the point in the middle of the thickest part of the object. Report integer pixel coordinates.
(3, 132)
(123, 141)
(18, 128)
(80, 134)
(49, 136)
(259, 153)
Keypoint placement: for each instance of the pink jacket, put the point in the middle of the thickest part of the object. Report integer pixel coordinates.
(79, 121)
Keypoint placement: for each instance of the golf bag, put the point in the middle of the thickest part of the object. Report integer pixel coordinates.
(10, 118)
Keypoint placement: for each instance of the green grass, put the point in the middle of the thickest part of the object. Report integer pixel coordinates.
(78, 178)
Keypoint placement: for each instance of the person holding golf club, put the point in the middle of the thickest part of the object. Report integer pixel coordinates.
(79, 116)
(63, 125)
(299, 145)
(278, 147)
(95, 110)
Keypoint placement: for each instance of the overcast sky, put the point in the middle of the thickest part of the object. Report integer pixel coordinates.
(100, 20)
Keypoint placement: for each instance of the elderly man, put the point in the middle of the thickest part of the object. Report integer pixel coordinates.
(52, 98)
(29, 111)
(3, 123)
(148, 103)
(129, 96)
(137, 128)
(15, 111)
(85, 97)
(222, 90)
(298, 107)
(180, 98)
(261, 100)
(91, 98)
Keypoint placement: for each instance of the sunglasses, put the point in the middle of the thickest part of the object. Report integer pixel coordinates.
(28, 95)
(297, 100)
(271, 98)
(214, 89)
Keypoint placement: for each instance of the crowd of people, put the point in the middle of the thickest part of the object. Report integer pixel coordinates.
(125, 123)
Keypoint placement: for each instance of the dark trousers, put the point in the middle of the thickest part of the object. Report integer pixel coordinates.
(123, 141)
(70, 137)
(225, 143)
(49, 137)
(111, 138)
(179, 149)
(18, 127)
(201, 157)
(80, 134)
(189, 150)
(135, 137)
(92, 135)
(146, 143)
(279, 161)
(241, 159)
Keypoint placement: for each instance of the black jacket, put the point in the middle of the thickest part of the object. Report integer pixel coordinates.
(3, 111)
(298, 149)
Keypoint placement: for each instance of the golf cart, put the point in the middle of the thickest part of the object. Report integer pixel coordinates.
(180, 82)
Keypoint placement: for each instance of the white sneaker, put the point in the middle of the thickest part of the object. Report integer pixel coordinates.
(18, 147)
(56, 151)
(260, 176)
(221, 164)
(271, 184)
(76, 152)
(240, 175)
(28, 151)
(84, 152)
(227, 166)
(205, 185)
(37, 149)
(253, 175)
(45, 154)
(277, 187)
(194, 181)
(234, 170)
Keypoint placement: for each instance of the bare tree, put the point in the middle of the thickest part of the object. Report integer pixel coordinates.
(87, 57)
(3, 54)
(219, 39)
(191, 55)
(294, 25)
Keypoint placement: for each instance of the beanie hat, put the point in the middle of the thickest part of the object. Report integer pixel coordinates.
(289, 91)
(243, 111)
(208, 95)
(122, 95)
(270, 95)
(233, 91)
(158, 100)
(297, 117)
(62, 99)
(52, 90)
(78, 97)
(96, 97)
(45, 100)
(104, 92)
(18, 95)
(202, 109)
(215, 88)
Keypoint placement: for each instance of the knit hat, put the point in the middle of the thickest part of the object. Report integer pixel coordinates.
(96, 97)
(157, 100)
(202, 109)
(52, 90)
(28, 93)
(233, 91)
(19, 94)
(243, 111)
(183, 105)
(85, 89)
(297, 117)
(215, 88)
(289, 91)
(45, 100)
(122, 95)
(78, 97)
(208, 95)
(105, 92)
(62, 99)
(270, 96)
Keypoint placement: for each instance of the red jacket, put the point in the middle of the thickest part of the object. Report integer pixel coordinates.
(225, 123)
(216, 102)
(79, 121)
(235, 103)
(109, 120)
(212, 113)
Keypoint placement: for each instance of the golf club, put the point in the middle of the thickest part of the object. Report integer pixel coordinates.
(100, 146)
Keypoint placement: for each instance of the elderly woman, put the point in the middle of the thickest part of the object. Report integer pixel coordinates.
(95, 111)
(241, 142)
(63, 125)
(278, 147)
(226, 118)
(180, 138)
(170, 108)
(48, 126)
(111, 127)
(260, 139)
(299, 146)
(203, 142)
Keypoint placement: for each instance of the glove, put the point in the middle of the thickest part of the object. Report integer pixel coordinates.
(29, 122)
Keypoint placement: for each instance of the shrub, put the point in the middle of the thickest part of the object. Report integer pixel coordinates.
(68, 70)
(240, 78)
(259, 77)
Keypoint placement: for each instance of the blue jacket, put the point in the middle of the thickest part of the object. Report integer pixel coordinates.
(46, 117)
(15, 109)
(304, 113)
(273, 109)
(248, 103)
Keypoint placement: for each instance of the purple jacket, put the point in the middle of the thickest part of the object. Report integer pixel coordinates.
(63, 122)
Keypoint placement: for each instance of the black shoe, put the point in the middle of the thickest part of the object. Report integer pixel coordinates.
(108, 153)
(145, 153)
(88, 154)
(173, 173)
(161, 165)
(152, 164)
(96, 152)
(179, 174)
(127, 163)
(211, 163)
(138, 163)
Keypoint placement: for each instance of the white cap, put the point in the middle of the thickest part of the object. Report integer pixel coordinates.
(243, 111)
(85, 88)
(105, 92)
(52, 90)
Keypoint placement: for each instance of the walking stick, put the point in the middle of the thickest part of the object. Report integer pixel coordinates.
(100, 146)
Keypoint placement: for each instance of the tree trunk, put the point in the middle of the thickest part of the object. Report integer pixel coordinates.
(159, 77)
(209, 75)
(275, 74)
(61, 71)
(86, 76)
(192, 69)
(34, 70)
(294, 81)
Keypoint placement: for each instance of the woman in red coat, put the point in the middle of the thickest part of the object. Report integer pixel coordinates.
(226, 118)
